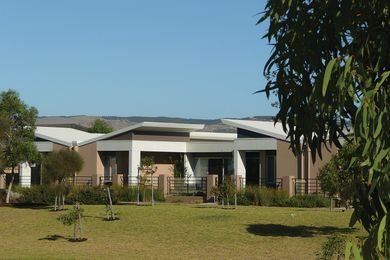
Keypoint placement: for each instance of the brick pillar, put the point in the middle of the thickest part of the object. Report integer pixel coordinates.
(2, 181)
(288, 185)
(116, 180)
(238, 182)
(210, 184)
(163, 184)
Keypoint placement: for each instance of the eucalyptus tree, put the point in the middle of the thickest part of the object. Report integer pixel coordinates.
(17, 140)
(100, 126)
(57, 167)
(148, 167)
(4, 125)
(329, 68)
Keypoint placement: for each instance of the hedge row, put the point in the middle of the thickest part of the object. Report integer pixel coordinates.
(260, 196)
(45, 194)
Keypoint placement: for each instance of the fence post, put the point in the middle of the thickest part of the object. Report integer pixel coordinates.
(288, 183)
(163, 184)
(210, 185)
(295, 186)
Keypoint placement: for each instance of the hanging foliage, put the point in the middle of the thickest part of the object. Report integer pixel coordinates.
(329, 68)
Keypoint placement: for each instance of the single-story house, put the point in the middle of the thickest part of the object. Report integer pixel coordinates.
(258, 152)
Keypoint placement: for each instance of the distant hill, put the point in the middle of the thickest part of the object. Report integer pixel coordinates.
(83, 122)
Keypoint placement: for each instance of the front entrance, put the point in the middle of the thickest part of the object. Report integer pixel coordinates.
(252, 168)
(221, 167)
(36, 175)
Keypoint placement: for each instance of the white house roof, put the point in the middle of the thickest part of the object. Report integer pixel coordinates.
(262, 127)
(213, 136)
(63, 135)
(150, 126)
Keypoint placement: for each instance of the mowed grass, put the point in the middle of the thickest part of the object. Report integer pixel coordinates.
(173, 231)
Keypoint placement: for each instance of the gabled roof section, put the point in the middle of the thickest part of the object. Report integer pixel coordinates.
(63, 135)
(268, 128)
(152, 127)
(213, 136)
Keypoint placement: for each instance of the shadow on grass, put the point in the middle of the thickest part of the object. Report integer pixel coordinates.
(103, 218)
(30, 206)
(277, 230)
(54, 237)
(58, 237)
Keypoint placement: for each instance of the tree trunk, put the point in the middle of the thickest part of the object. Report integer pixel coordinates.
(55, 203)
(138, 192)
(74, 230)
(152, 190)
(79, 222)
(63, 201)
(10, 187)
(228, 201)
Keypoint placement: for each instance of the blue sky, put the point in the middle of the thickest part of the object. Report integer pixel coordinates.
(192, 58)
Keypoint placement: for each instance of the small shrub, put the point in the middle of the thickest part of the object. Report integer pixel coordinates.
(90, 195)
(242, 199)
(3, 195)
(308, 201)
(333, 248)
(128, 193)
(41, 194)
(262, 196)
(158, 196)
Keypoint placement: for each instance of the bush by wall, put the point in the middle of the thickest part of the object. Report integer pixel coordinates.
(145, 194)
(42, 194)
(308, 201)
(261, 196)
(45, 194)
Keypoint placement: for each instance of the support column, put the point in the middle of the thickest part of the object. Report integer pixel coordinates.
(239, 163)
(134, 163)
(210, 185)
(188, 165)
(25, 174)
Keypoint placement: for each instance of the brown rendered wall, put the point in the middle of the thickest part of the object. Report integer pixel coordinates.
(286, 162)
(164, 169)
(57, 147)
(93, 166)
(163, 161)
(319, 163)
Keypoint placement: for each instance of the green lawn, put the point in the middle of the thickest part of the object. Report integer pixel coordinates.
(173, 231)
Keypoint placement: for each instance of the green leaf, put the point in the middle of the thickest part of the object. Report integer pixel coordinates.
(381, 231)
(328, 72)
(348, 246)
(384, 76)
(354, 218)
(379, 126)
(348, 65)
(356, 252)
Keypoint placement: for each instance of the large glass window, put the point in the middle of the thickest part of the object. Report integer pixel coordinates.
(271, 168)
